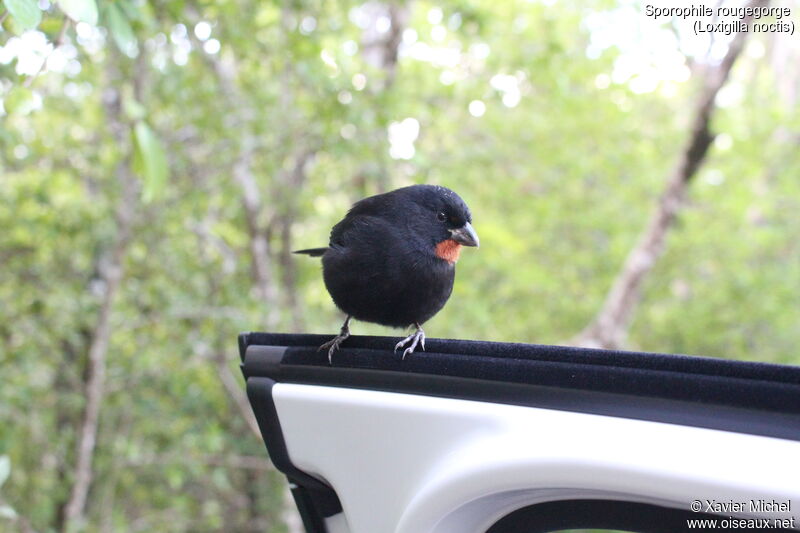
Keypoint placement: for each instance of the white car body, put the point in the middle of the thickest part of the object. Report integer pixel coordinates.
(418, 461)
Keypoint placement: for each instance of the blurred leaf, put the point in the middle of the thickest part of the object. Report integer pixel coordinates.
(51, 26)
(18, 101)
(121, 30)
(13, 25)
(133, 109)
(26, 12)
(80, 10)
(150, 161)
(130, 10)
(5, 468)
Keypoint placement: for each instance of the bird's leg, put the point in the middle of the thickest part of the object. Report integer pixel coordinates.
(333, 344)
(418, 337)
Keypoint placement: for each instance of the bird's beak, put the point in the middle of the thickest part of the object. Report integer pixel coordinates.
(465, 235)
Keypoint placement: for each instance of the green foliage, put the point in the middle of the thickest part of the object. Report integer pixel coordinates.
(150, 161)
(562, 172)
(25, 12)
(80, 10)
(121, 30)
(18, 101)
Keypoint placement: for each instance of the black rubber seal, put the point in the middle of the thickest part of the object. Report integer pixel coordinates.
(747, 398)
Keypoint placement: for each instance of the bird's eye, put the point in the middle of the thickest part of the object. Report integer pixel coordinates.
(442, 217)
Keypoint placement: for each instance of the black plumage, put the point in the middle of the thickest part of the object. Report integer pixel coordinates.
(391, 260)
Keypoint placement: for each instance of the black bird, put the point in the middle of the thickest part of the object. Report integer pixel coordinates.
(392, 259)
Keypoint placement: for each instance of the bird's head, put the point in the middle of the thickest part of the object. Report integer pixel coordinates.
(444, 221)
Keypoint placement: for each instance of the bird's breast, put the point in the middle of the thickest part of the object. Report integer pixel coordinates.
(449, 250)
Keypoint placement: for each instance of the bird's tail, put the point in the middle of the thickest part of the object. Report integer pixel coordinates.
(313, 252)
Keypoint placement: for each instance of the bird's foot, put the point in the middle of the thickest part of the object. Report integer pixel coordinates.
(333, 344)
(418, 337)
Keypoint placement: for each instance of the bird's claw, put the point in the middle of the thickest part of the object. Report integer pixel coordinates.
(333, 344)
(416, 338)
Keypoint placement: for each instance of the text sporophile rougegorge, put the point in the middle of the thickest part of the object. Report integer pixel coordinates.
(728, 19)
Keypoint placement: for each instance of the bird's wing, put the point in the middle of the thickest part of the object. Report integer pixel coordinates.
(359, 229)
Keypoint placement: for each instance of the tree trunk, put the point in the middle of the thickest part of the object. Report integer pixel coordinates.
(609, 327)
(111, 276)
(261, 267)
(68, 380)
(260, 256)
(292, 181)
(381, 50)
(110, 269)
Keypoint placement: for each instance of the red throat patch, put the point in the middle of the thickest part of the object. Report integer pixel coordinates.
(448, 250)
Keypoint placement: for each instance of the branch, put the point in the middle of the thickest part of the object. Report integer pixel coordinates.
(381, 49)
(610, 326)
(229, 381)
(98, 351)
(111, 276)
(292, 181)
(236, 394)
(226, 72)
(261, 266)
(58, 42)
